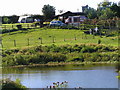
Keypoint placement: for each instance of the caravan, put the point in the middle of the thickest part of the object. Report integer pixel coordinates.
(75, 20)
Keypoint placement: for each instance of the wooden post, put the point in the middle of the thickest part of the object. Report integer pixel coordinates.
(28, 42)
(28, 26)
(40, 40)
(14, 43)
(5, 26)
(75, 37)
(64, 39)
(12, 26)
(53, 39)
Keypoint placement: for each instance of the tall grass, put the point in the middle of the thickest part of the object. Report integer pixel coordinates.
(65, 53)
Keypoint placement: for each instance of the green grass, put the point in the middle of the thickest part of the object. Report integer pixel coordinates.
(62, 36)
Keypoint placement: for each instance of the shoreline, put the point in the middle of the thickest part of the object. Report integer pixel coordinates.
(60, 63)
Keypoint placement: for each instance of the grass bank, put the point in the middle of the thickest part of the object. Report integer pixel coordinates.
(65, 54)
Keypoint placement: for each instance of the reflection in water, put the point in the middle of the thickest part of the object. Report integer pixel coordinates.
(86, 76)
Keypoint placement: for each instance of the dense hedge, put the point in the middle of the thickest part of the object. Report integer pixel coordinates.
(38, 58)
(53, 53)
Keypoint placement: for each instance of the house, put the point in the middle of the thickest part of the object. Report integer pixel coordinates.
(73, 18)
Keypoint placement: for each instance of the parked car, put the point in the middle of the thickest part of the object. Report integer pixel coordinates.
(57, 23)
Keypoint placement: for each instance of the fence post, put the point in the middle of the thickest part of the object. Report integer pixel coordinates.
(64, 39)
(5, 26)
(75, 37)
(28, 42)
(12, 26)
(27, 25)
(14, 43)
(53, 39)
(40, 40)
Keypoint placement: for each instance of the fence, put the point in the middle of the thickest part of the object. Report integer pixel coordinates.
(14, 26)
(8, 43)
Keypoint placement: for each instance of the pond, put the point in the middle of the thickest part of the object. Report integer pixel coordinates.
(85, 76)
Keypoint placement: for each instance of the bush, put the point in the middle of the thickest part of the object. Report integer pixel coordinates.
(19, 27)
(87, 49)
(8, 60)
(8, 84)
(20, 60)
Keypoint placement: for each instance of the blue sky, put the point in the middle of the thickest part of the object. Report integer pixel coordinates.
(20, 7)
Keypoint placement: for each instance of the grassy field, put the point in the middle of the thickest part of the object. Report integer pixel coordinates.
(32, 37)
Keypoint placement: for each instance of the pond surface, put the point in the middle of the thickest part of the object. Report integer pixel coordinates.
(85, 76)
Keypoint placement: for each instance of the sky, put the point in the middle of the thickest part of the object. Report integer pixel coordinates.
(21, 7)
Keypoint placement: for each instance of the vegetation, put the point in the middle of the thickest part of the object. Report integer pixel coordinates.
(105, 10)
(48, 11)
(8, 84)
(65, 53)
(25, 44)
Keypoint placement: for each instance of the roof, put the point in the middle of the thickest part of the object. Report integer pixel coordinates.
(69, 13)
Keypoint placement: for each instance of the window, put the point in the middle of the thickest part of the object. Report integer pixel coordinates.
(76, 19)
(70, 20)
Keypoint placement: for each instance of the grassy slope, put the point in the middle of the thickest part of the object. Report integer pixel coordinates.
(47, 35)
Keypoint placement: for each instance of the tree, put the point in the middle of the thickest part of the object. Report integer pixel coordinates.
(14, 18)
(60, 11)
(104, 4)
(48, 11)
(91, 13)
(116, 9)
(6, 20)
(104, 10)
(107, 14)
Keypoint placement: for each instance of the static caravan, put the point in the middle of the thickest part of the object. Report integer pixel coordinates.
(28, 19)
(75, 20)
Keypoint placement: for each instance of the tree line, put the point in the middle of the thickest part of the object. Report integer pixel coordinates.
(105, 10)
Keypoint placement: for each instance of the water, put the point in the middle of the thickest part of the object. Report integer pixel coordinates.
(85, 76)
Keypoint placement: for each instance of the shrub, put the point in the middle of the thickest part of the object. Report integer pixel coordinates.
(87, 49)
(20, 60)
(19, 26)
(8, 84)
(8, 60)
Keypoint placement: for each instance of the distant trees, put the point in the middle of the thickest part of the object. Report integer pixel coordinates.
(106, 14)
(10, 19)
(91, 12)
(104, 4)
(116, 9)
(6, 20)
(106, 10)
(48, 11)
